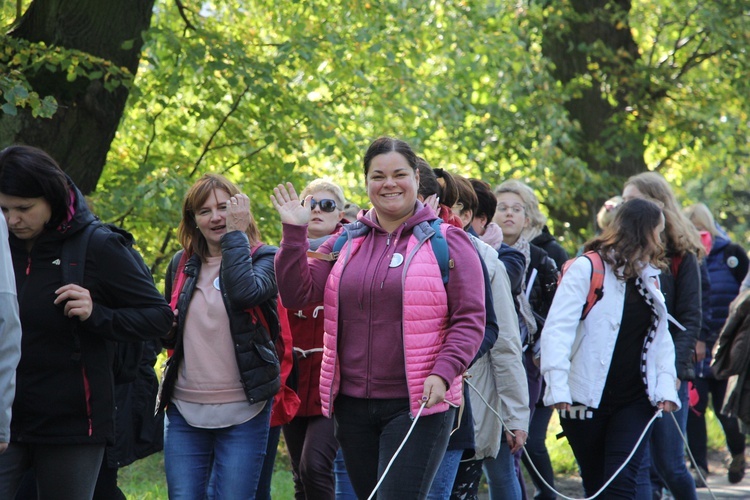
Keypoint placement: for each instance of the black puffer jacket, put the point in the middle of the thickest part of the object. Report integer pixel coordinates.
(682, 294)
(64, 380)
(549, 244)
(545, 283)
(247, 281)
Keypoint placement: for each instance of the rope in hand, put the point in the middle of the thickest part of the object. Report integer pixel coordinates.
(692, 458)
(536, 471)
(393, 458)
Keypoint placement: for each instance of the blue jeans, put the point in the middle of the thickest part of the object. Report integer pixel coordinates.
(501, 474)
(263, 492)
(442, 485)
(344, 490)
(667, 455)
(603, 442)
(537, 450)
(232, 455)
(371, 430)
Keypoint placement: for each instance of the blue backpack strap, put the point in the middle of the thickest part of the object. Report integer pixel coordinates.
(339, 243)
(440, 249)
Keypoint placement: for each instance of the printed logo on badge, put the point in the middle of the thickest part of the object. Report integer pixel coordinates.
(733, 262)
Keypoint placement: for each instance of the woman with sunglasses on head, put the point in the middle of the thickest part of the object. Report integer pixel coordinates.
(681, 285)
(609, 372)
(309, 436)
(397, 338)
(220, 381)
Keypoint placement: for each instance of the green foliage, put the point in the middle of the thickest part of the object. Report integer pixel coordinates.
(267, 91)
(23, 62)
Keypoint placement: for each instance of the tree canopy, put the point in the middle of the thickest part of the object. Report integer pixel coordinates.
(571, 97)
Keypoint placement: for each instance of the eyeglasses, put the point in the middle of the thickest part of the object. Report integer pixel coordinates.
(326, 205)
(516, 209)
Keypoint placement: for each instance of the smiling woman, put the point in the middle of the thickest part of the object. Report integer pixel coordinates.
(224, 370)
(385, 355)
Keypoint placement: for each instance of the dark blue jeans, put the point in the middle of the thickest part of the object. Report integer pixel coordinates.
(666, 452)
(602, 443)
(696, 422)
(371, 430)
(537, 450)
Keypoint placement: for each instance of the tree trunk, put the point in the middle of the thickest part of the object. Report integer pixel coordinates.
(591, 40)
(80, 133)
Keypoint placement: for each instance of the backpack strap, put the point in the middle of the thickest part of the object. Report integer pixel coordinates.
(440, 249)
(72, 267)
(177, 268)
(73, 256)
(674, 264)
(596, 280)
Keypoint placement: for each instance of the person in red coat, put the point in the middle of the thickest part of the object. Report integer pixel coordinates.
(309, 436)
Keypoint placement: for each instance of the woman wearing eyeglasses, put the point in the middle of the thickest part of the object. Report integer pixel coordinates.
(309, 436)
(516, 213)
(397, 338)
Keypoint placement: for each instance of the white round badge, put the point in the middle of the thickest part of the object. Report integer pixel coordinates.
(733, 262)
(217, 285)
(396, 260)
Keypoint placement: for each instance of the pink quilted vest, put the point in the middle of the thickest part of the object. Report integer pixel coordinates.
(425, 317)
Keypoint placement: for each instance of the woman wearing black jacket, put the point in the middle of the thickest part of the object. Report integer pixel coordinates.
(681, 287)
(63, 410)
(224, 372)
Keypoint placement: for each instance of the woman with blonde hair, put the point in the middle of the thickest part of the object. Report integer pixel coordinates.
(309, 436)
(518, 216)
(727, 265)
(681, 285)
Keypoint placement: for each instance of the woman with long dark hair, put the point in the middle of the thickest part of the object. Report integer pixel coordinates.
(608, 373)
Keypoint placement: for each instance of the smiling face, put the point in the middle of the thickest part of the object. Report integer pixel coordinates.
(510, 216)
(392, 186)
(323, 223)
(26, 217)
(211, 219)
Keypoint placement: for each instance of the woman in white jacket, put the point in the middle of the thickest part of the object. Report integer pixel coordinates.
(608, 373)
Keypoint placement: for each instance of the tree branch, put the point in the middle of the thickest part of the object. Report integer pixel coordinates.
(207, 146)
(183, 14)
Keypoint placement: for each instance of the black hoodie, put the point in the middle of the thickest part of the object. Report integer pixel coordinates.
(64, 392)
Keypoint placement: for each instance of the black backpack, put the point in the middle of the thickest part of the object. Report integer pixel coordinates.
(73, 263)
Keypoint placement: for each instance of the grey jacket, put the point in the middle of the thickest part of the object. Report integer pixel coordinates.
(499, 375)
(10, 334)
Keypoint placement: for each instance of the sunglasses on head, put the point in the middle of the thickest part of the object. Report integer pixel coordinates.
(326, 205)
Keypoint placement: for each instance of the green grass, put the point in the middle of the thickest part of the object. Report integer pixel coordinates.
(144, 480)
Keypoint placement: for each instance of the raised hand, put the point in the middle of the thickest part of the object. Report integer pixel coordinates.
(238, 213)
(287, 203)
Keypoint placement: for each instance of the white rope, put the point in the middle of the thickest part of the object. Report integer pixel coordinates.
(393, 458)
(599, 492)
(692, 458)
